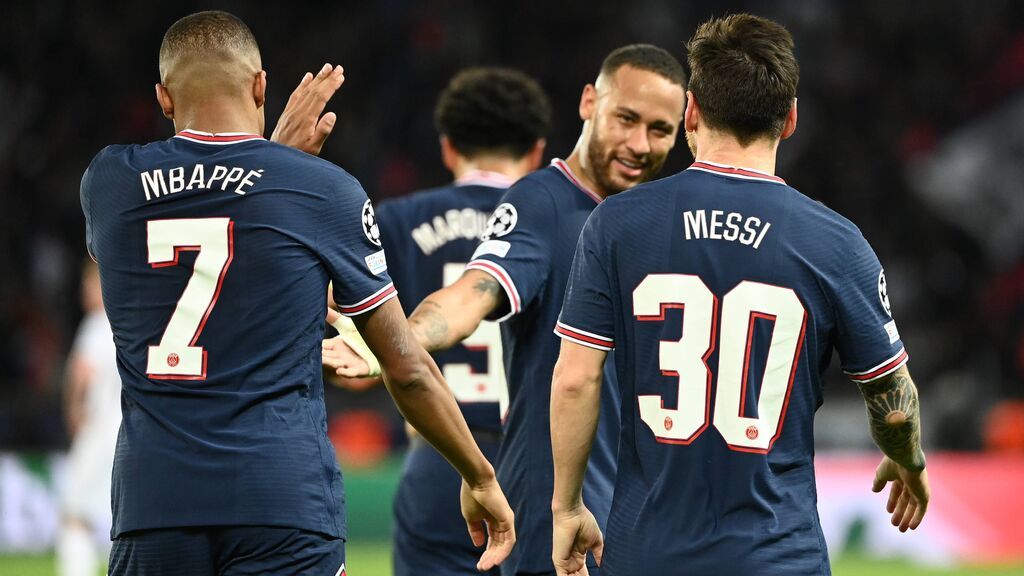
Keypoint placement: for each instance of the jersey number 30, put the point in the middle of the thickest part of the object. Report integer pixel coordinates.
(686, 359)
(177, 357)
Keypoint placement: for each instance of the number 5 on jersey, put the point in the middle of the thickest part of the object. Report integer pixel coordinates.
(177, 357)
(686, 359)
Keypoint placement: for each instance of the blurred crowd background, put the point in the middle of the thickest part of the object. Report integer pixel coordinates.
(911, 124)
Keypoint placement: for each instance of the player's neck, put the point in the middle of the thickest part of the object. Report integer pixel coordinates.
(511, 167)
(759, 155)
(217, 117)
(575, 163)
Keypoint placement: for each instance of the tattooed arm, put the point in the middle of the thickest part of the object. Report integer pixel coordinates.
(451, 314)
(895, 419)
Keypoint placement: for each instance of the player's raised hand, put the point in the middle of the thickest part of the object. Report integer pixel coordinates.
(575, 532)
(908, 496)
(301, 125)
(489, 518)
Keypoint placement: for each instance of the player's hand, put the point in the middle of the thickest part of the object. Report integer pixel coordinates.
(349, 366)
(575, 532)
(486, 506)
(301, 125)
(908, 496)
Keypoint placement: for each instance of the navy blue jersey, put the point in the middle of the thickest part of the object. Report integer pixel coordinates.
(528, 249)
(429, 237)
(723, 292)
(215, 253)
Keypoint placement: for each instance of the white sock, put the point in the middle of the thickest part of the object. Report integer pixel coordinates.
(76, 551)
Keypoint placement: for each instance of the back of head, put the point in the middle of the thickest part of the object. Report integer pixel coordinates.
(210, 51)
(743, 75)
(645, 57)
(493, 111)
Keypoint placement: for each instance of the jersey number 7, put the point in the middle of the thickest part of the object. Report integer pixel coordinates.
(177, 357)
(686, 359)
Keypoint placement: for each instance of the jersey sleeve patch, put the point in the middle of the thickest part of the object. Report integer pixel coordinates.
(584, 338)
(882, 369)
(505, 280)
(370, 302)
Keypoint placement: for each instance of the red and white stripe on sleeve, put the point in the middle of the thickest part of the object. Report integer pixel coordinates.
(584, 338)
(883, 369)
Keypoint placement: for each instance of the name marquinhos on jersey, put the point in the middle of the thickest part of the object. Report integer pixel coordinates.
(729, 226)
(466, 224)
(161, 182)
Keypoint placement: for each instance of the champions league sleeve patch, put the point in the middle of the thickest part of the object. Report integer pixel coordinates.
(503, 220)
(370, 224)
(883, 293)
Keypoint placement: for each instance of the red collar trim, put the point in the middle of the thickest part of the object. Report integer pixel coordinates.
(562, 167)
(485, 178)
(744, 173)
(222, 138)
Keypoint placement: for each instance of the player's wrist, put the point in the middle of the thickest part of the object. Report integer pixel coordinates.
(564, 508)
(482, 478)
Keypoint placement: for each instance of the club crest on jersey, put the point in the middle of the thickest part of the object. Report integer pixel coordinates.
(370, 224)
(502, 221)
(883, 293)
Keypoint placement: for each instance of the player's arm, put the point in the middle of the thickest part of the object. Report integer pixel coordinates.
(425, 401)
(894, 416)
(575, 405)
(451, 314)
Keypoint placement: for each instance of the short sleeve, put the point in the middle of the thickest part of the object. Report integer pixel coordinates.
(588, 316)
(868, 342)
(516, 245)
(350, 246)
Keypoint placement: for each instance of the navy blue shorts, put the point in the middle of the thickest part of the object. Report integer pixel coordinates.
(430, 533)
(226, 551)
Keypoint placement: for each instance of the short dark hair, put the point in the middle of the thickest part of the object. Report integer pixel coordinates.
(744, 75)
(206, 33)
(645, 57)
(497, 110)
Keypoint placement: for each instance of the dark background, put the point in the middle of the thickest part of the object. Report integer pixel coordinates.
(902, 105)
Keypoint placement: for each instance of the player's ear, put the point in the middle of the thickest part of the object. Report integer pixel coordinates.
(691, 115)
(163, 97)
(588, 102)
(535, 155)
(790, 125)
(449, 155)
(259, 88)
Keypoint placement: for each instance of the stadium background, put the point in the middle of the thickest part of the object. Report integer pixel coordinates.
(910, 125)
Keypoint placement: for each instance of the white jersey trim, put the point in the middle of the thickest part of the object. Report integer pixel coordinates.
(505, 280)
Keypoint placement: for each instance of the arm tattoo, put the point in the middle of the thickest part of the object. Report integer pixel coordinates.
(895, 418)
(488, 286)
(430, 325)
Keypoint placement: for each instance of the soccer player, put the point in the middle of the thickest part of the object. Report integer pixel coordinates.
(93, 406)
(518, 274)
(492, 123)
(215, 249)
(723, 292)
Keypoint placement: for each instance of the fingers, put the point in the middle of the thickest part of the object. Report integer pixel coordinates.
(476, 533)
(915, 521)
(323, 129)
(894, 497)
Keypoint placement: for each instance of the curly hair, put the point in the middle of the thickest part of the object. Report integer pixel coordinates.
(493, 110)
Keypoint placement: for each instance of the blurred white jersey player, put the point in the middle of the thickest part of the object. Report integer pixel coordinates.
(93, 409)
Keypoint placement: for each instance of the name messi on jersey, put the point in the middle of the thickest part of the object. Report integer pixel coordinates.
(749, 231)
(156, 183)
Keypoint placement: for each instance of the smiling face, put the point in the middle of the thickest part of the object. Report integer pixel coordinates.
(632, 119)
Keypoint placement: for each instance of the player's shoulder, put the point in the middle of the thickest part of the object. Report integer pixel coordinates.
(418, 201)
(543, 182)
